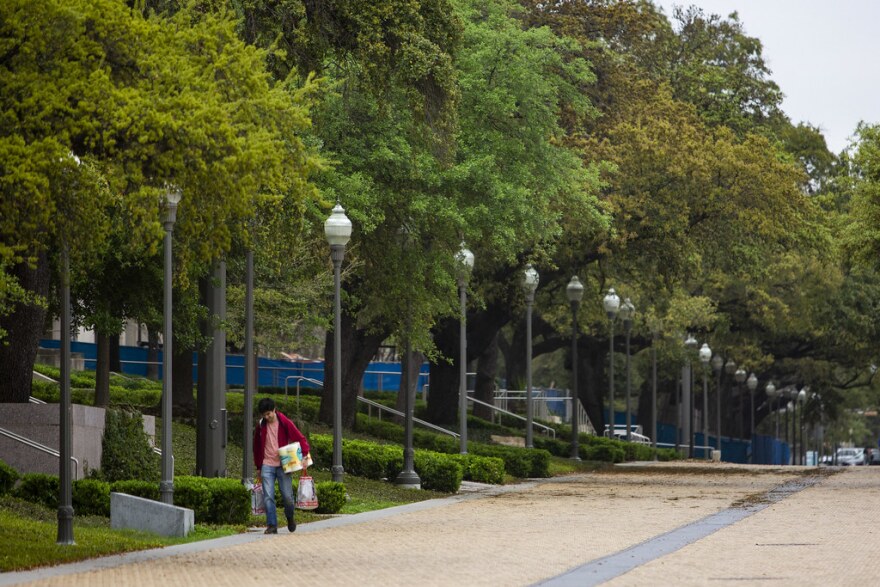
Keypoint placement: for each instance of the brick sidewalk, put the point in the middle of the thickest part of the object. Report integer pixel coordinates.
(523, 535)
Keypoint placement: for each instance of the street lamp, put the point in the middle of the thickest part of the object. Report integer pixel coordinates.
(611, 303)
(718, 367)
(690, 343)
(705, 357)
(65, 485)
(575, 291)
(740, 377)
(626, 313)
(407, 478)
(465, 264)
(801, 399)
(752, 384)
(337, 230)
(654, 336)
(772, 394)
(530, 284)
(166, 487)
(730, 369)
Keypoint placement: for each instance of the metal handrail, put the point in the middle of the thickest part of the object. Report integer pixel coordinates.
(382, 408)
(503, 411)
(40, 447)
(36, 400)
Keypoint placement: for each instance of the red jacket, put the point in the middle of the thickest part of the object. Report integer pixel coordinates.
(287, 433)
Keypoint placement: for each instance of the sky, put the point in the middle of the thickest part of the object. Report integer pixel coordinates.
(823, 54)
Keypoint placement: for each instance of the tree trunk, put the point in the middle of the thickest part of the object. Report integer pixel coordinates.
(589, 384)
(102, 370)
(115, 359)
(484, 388)
(23, 326)
(183, 399)
(515, 359)
(152, 353)
(358, 349)
(444, 389)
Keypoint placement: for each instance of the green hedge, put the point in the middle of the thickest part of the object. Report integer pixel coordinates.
(8, 477)
(145, 489)
(39, 488)
(437, 471)
(331, 497)
(126, 451)
(518, 462)
(91, 497)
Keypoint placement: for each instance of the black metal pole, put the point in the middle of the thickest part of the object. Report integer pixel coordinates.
(65, 501)
(249, 368)
(337, 253)
(530, 410)
(462, 367)
(628, 325)
(575, 446)
(408, 477)
(611, 381)
(654, 394)
(166, 487)
(690, 395)
(718, 412)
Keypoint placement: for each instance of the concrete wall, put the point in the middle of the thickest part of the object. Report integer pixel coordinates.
(40, 423)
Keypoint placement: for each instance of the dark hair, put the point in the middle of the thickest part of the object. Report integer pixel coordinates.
(267, 404)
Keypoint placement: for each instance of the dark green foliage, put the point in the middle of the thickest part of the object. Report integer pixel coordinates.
(39, 488)
(231, 502)
(193, 493)
(481, 469)
(438, 471)
(605, 452)
(8, 477)
(331, 497)
(91, 497)
(127, 453)
(145, 489)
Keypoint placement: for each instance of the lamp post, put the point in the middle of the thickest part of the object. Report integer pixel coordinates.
(690, 343)
(801, 399)
(247, 461)
(337, 230)
(740, 377)
(166, 487)
(466, 263)
(575, 291)
(626, 313)
(654, 392)
(408, 478)
(772, 394)
(718, 367)
(705, 357)
(730, 369)
(530, 284)
(752, 384)
(611, 303)
(792, 405)
(65, 485)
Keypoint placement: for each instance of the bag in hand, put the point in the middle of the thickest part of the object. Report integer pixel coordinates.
(306, 497)
(258, 502)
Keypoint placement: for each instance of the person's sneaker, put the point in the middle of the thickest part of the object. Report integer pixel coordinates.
(291, 524)
(271, 530)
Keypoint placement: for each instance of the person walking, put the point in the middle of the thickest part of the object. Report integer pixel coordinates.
(274, 431)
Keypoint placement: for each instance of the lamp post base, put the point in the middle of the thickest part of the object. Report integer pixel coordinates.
(408, 480)
(338, 473)
(65, 525)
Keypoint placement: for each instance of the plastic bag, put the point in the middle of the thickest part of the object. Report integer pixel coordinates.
(291, 457)
(258, 502)
(306, 497)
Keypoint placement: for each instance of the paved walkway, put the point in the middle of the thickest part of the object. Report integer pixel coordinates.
(731, 528)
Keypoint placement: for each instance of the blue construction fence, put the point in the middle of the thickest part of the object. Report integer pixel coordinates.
(380, 376)
(762, 450)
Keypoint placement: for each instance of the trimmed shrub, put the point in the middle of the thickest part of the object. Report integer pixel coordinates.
(8, 477)
(608, 453)
(331, 497)
(145, 489)
(481, 469)
(193, 493)
(438, 471)
(127, 453)
(91, 497)
(39, 488)
(231, 501)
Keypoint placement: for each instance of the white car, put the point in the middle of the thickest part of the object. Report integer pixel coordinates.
(850, 456)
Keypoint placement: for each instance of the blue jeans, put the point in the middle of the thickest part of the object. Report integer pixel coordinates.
(285, 481)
